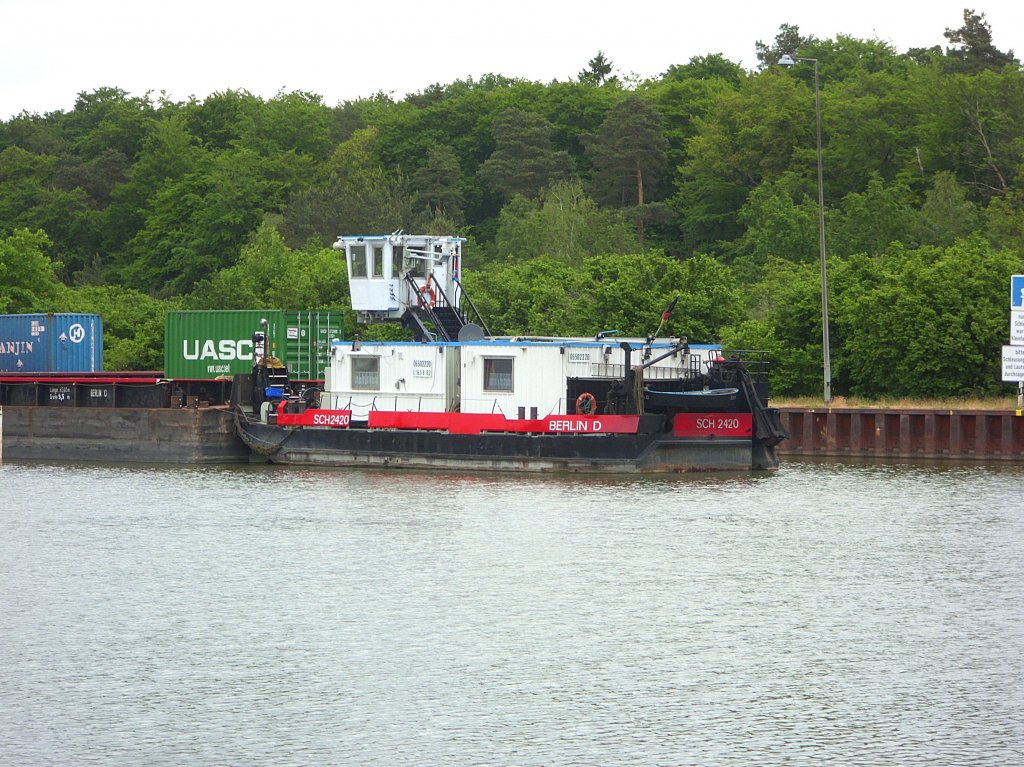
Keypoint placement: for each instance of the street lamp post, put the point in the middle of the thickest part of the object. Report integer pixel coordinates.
(788, 61)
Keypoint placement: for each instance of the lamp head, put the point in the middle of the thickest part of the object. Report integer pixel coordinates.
(786, 61)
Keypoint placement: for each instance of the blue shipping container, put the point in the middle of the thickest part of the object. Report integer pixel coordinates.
(51, 343)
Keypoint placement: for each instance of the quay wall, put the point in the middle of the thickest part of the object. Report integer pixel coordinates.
(984, 435)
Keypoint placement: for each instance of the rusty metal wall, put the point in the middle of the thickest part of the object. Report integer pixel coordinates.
(992, 435)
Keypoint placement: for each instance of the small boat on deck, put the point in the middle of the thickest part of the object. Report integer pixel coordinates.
(698, 399)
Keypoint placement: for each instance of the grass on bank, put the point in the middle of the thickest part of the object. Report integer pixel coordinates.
(901, 403)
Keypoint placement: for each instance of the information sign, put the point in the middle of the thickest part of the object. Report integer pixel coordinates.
(1017, 328)
(1017, 292)
(1013, 364)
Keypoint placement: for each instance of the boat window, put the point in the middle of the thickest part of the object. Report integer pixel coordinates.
(378, 260)
(357, 261)
(396, 260)
(416, 265)
(366, 373)
(498, 373)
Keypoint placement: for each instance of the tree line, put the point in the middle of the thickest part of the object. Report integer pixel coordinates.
(588, 204)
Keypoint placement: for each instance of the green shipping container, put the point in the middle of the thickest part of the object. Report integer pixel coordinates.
(208, 344)
(308, 342)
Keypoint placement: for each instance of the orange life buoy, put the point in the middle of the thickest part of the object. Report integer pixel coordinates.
(427, 295)
(586, 404)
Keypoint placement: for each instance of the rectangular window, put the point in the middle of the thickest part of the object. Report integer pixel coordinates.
(366, 373)
(498, 373)
(396, 260)
(357, 263)
(378, 260)
(416, 265)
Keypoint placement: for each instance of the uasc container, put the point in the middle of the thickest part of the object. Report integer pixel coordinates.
(209, 344)
(51, 343)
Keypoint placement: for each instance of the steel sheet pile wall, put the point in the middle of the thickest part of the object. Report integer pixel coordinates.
(51, 343)
(970, 434)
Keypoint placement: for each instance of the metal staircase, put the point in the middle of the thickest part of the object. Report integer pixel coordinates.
(435, 307)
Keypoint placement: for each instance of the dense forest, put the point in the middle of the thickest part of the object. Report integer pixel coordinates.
(588, 205)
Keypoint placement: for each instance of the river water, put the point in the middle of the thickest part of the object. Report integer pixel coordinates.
(828, 614)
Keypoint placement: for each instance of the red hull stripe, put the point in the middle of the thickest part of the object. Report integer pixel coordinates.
(474, 423)
(91, 381)
(712, 425)
(468, 423)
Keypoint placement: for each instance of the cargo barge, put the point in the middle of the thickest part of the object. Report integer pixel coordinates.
(61, 406)
(128, 417)
(458, 398)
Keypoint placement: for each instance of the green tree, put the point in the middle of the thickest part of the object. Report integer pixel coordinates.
(356, 195)
(972, 50)
(437, 184)
(563, 223)
(776, 226)
(946, 215)
(598, 71)
(108, 118)
(785, 317)
(788, 41)
(628, 155)
(868, 222)
(27, 279)
(269, 273)
(932, 326)
(30, 200)
(523, 161)
(198, 225)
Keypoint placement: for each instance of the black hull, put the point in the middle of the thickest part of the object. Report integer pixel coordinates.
(653, 452)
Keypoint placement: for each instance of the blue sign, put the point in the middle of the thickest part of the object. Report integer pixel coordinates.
(1017, 292)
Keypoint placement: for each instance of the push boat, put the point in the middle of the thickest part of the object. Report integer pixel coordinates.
(458, 398)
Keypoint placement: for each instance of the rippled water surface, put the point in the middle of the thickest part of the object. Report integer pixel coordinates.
(829, 614)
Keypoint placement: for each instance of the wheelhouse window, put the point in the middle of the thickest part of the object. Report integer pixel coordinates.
(357, 261)
(416, 264)
(396, 260)
(378, 260)
(366, 373)
(498, 373)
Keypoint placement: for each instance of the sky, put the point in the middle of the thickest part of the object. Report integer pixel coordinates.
(52, 50)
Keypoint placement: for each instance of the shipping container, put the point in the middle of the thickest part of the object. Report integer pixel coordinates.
(51, 343)
(209, 344)
(308, 342)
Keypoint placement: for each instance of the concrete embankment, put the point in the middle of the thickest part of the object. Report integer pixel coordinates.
(123, 435)
(989, 435)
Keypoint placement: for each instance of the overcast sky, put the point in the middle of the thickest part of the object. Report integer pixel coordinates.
(50, 50)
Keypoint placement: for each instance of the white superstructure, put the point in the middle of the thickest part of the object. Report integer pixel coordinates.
(518, 377)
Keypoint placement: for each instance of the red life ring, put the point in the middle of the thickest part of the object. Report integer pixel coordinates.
(586, 404)
(427, 295)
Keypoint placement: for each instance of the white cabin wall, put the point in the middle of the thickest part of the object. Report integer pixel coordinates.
(413, 377)
(538, 379)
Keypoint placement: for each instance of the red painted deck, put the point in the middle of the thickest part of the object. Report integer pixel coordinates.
(991, 435)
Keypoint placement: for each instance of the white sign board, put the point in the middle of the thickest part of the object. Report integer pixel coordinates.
(1016, 328)
(1013, 364)
(1017, 292)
